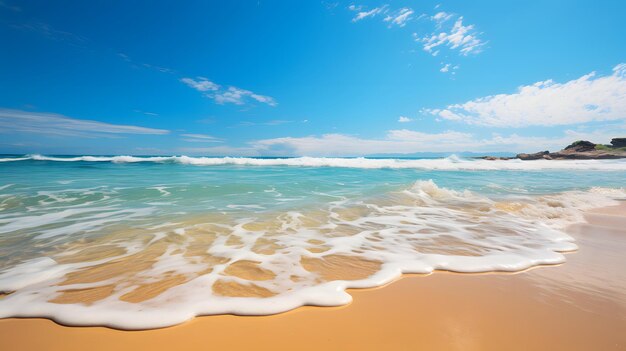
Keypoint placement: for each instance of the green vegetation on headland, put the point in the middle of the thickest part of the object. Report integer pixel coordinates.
(609, 147)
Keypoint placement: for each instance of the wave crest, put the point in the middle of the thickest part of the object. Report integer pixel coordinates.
(452, 162)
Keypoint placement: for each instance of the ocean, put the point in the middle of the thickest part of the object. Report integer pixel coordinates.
(147, 242)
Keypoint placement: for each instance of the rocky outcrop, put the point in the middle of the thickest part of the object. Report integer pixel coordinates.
(586, 150)
(587, 155)
(495, 158)
(618, 142)
(536, 156)
(580, 146)
(578, 150)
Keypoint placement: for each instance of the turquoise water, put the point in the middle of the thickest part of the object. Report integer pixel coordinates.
(406, 215)
(222, 187)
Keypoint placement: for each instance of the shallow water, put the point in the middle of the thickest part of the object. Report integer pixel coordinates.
(148, 242)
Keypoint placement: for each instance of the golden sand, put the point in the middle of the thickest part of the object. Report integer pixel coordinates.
(249, 270)
(580, 305)
(235, 289)
(339, 267)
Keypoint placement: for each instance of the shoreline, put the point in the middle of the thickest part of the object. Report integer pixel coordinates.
(579, 305)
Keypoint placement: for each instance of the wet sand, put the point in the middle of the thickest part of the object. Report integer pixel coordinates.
(580, 305)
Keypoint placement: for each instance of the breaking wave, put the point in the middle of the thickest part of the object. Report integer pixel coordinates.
(449, 163)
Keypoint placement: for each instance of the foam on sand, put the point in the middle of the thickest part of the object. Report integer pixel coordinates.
(161, 274)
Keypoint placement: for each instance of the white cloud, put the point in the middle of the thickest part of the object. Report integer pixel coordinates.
(447, 35)
(590, 98)
(401, 17)
(396, 141)
(459, 37)
(264, 99)
(441, 17)
(232, 95)
(239, 96)
(201, 84)
(448, 67)
(200, 138)
(18, 121)
(364, 14)
(404, 119)
(147, 113)
(405, 141)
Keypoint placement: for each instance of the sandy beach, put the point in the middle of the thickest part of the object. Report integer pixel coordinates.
(579, 305)
(312, 175)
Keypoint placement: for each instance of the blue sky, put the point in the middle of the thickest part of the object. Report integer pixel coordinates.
(316, 78)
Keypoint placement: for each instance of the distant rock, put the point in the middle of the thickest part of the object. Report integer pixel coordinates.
(495, 158)
(618, 142)
(586, 150)
(535, 156)
(580, 146)
(587, 155)
(578, 150)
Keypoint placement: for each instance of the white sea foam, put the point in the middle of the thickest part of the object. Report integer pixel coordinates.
(6, 186)
(416, 230)
(449, 163)
(10, 159)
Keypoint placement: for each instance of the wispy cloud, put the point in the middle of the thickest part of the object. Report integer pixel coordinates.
(201, 84)
(459, 37)
(230, 95)
(124, 57)
(362, 14)
(147, 113)
(440, 17)
(330, 5)
(50, 32)
(445, 34)
(158, 68)
(404, 141)
(404, 119)
(127, 58)
(13, 8)
(396, 141)
(401, 141)
(200, 138)
(448, 68)
(589, 98)
(274, 122)
(18, 121)
(239, 96)
(400, 17)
